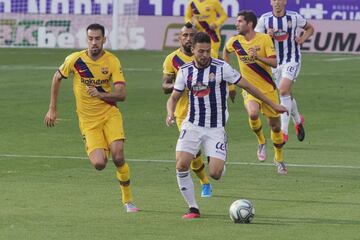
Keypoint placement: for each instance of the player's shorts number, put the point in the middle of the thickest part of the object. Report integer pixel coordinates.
(182, 134)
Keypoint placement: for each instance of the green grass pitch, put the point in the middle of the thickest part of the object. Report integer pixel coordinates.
(48, 190)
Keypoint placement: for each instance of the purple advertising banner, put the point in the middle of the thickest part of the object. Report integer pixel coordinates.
(311, 9)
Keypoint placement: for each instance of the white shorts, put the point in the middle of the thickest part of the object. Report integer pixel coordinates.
(193, 137)
(288, 70)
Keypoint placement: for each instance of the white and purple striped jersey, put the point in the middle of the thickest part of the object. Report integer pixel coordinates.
(285, 30)
(208, 91)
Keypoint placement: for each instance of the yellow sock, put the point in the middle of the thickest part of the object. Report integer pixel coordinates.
(277, 138)
(198, 166)
(256, 126)
(123, 175)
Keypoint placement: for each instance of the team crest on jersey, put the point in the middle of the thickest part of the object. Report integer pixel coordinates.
(200, 90)
(105, 70)
(211, 77)
(280, 35)
(207, 9)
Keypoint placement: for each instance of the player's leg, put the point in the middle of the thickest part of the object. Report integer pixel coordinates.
(277, 139)
(95, 145)
(286, 101)
(215, 46)
(114, 134)
(215, 146)
(253, 109)
(198, 167)
(188, 145)
(298, 121)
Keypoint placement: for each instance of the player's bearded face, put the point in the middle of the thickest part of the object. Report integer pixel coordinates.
(186, 37)
(202, 53)
(95, 40)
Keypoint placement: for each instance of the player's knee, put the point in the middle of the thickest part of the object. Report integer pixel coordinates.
(181, 167)
(253, 116)
(118, 161)
(99, 165)
(275, 128)
(215, 174)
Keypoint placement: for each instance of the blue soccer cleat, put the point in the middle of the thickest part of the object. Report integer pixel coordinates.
(206, 190)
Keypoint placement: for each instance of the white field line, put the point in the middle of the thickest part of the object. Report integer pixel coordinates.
(339, 59)
(173, 161)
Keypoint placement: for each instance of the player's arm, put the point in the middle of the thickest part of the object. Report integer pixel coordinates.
(171, 105)
(308, 32)
(51, 115)
(188, 13)
(271, 60)
(118, 95)
(222, 16)
(168, 83)
(243, 83)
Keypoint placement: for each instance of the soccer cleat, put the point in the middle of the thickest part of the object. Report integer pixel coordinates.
(261, 152)
(299, 128)
(285, 138)
(281, 167)
(192, 213)
(131, 208)
(206, 190)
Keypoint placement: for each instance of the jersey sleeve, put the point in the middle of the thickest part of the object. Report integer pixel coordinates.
(230, 74)
(117, 75)
(188, 13)
(221, 13)
(229, 45)
(260, 26)
(168, 67)
(301, 22)
(269, 47)
(180, 81)
(68, 65)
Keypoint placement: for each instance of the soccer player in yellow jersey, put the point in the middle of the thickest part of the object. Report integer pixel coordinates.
(171, 66)
(94, 72)
(208, 16)
(256, 54)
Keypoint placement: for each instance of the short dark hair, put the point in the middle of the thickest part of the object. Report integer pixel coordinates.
(96, 26)
(249, 16)
(201, 37)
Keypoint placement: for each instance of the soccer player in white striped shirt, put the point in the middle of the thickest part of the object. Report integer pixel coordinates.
(283, 26)
(206, 78)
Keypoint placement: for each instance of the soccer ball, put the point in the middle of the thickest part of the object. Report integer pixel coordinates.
(242, 211)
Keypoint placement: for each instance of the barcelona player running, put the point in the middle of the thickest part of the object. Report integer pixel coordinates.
(256, 53)
(94, 72)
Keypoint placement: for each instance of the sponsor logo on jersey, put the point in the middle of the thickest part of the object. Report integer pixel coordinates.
(200, 90)
(280, 35)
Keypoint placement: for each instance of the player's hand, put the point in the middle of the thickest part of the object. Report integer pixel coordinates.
(92, 91)
(50, 118)
(170, 120)
(280, 109)
(213, 26)
(299, 40)
(270, 31)
(232, 95)
(253, 53)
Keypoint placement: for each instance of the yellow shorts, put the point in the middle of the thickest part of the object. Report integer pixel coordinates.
(265, 109)
(101, 132)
